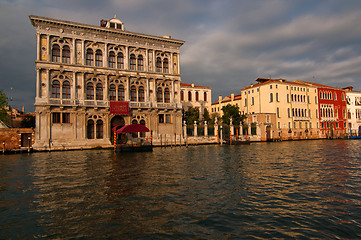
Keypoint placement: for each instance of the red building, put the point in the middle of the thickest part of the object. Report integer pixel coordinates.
(332, 111)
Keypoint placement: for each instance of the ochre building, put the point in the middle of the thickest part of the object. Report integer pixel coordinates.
(93, 78)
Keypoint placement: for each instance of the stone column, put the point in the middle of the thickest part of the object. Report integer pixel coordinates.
(38, 82)
(205, 129)
(38, 52)
(184, 129)
(249, 130)
(73, 52)
(195, 129)
(83, 52)
(240, 129)
(126, 57)
(258, 130)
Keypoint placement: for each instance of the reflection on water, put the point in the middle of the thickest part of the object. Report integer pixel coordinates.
(307, 189)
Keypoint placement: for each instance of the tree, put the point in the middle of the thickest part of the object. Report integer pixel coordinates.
(206, 116)
(191, 115)
(232, 111)
(214, 117)
(4, 110)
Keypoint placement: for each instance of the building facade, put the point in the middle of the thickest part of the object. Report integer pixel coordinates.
(194, 96)
(353, 99)
(295, 105)
(85, 71)
(234, 100)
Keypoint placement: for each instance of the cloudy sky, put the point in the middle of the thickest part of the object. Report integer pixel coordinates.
(229, 43)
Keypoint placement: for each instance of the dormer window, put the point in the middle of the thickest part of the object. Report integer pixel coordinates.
(112, 23)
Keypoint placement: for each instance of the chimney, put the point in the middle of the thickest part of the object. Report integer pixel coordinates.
(23, 109)
(219, 98)
(232, 96)
(192, 84)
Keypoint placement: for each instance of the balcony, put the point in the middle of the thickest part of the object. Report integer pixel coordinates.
(140, 104)
(301, 118)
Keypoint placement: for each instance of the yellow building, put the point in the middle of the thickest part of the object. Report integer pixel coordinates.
(294, 103)
(216, 107)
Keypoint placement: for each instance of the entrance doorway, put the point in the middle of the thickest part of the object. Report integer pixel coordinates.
(268, 133)
(118, 122)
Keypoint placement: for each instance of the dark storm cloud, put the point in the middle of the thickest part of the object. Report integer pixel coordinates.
(228, 43)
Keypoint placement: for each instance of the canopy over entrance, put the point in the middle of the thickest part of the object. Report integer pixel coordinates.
(132, 128)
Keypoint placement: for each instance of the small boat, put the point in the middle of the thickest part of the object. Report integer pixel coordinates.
(237, 141)
(133, 144)
(354, 137)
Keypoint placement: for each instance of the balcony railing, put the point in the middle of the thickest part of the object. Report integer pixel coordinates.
(301, 118)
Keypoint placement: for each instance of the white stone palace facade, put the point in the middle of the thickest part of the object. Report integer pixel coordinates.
(82, 69)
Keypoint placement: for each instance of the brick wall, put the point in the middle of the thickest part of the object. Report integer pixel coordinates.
(15, 138)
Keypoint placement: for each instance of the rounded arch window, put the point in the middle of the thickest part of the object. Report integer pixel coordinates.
(121, 93)
(111, 59)
(182, 95)
(189, 96)
(89, 57)
(120, 60)
(112, 92)
(99, 91)
(66, 54)
(99, 129)
(55, 53)
(165, 65)
(166, 95)
(55, 89)
(159, 65)
(90, 129)
(132, 62)
(140, 63)
(159, 95)
(98, 58)
(90, 91)
(66, 90)
(141, 94)
(133, 94)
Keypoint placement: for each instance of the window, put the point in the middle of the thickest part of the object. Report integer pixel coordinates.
(189, 96)
(288, 98)
(56, 117)
(271, 97)
(99, 129)
(159, 65)
(167, 118)
(66, 54)
(161, 118)
(99, 92)
(278, 112)
(98, 58)
(90, 129)
(166, 95)
(288, 112)
(182, 95)
(89, 91)
(133, 94)
(66, 117)
(141, 94)
(205, 96)
(112, 93)
(55, 89)
(120, 61)
(66, 90)
(159, 95)
(111, 59)
(55, 52)
(89, 57)
(252, 103)
(121, 93)
(132, 62)
(140, 63)
(277, 97)
(165, 65)
(197, 96)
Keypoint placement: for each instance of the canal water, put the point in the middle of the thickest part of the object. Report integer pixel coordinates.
(303, 189)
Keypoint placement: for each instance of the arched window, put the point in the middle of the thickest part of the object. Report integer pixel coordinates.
(66, 54)
(90, 129)
(141, 94)
(165, 65)
(120, 60)
(189, 96)
(121, 93)
(89, 91)
(197, 96)
(98, 58)
(159, 95)
(99, 129)
(66, 90)
(205, 96)
(159, 65)
(111, 59)
(142, 122)
(132, 62)
(55, 52)
(182, 95)
(112, 93)
(89, 57)
(55, 89)
(140, 63)
(99, 92)
(133, 94)
(271, 97)
(166, 95)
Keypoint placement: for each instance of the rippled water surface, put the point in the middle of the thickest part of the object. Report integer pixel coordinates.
(306, 189)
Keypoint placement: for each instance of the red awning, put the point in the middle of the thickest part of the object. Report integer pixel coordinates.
(133, 128)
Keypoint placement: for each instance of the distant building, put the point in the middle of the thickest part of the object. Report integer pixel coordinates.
(93, 78)
(216, 107)
(353, 99)
(194, 96)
